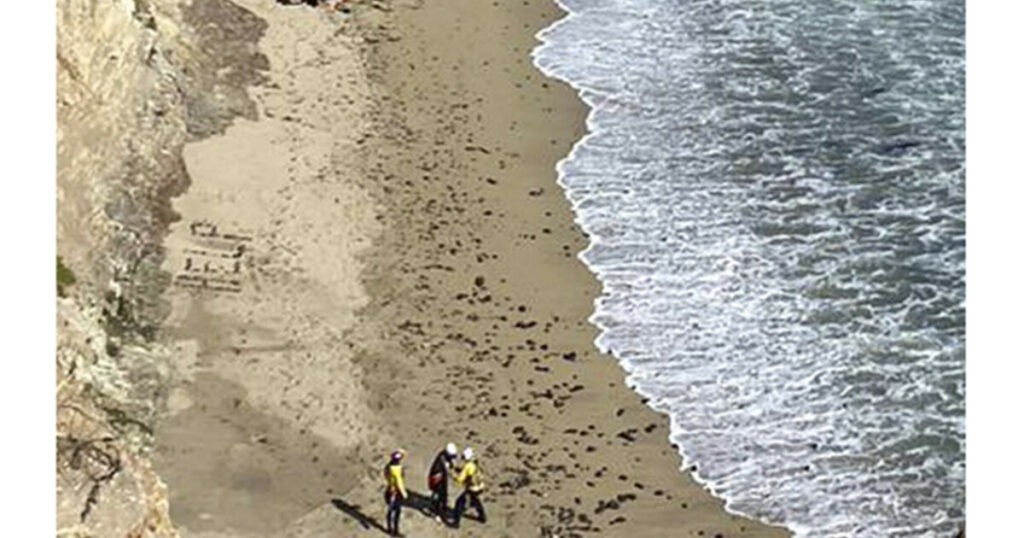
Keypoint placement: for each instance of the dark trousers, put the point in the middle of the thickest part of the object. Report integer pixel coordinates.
(460, 506)
(440, 497)
(394, 502)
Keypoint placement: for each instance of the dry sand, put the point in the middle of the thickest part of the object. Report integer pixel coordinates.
(396, 265)
(271, 410)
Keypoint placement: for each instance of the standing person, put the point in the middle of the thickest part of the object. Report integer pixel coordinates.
(473, 484)
(395, 492)
(437, 480)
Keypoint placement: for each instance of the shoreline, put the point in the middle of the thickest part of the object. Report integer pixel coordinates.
(530, 202)
(410, 279)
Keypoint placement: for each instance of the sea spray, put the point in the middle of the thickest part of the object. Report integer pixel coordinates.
(775, 198)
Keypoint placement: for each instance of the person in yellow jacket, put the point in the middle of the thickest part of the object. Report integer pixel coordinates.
(395, 492)
(472, 482)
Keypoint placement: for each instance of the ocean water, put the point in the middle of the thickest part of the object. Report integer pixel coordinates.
(774, 193)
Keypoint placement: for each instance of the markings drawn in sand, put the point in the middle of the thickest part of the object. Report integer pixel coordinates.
(216, 259)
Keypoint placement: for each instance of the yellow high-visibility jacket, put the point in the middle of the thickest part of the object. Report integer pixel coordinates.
(393, 477)
(471, 477)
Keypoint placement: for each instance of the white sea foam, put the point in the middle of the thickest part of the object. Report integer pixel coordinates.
(774, 195)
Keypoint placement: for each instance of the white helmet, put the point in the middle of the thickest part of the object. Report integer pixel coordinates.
(467, 454)
(451, 450)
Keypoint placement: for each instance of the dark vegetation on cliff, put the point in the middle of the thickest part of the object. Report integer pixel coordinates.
(65, 277)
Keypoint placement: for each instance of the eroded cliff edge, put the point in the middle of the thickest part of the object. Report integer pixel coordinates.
(136, 80)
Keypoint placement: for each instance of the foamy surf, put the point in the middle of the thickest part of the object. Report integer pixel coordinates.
(774, 196)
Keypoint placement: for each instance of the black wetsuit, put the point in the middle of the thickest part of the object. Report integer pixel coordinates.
(439, 493)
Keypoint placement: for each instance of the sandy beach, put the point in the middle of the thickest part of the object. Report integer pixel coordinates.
(294, 236)
(383, 258)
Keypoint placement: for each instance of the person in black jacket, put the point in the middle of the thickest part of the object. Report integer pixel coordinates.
(437, 480)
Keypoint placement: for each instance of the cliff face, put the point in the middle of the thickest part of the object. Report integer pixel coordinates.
(136, 79)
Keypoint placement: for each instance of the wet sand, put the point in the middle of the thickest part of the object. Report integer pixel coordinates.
(407, 277)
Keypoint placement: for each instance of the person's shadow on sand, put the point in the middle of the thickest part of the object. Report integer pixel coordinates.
(420, 502)
(357, 514)
(416, 501)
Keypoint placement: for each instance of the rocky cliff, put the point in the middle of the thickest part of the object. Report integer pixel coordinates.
(136, 80)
